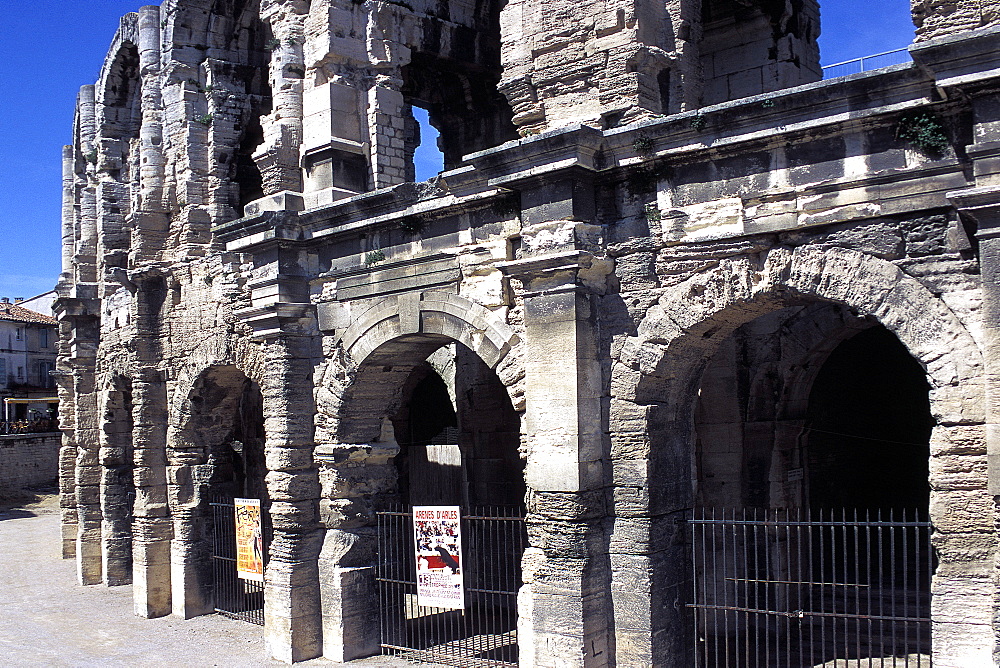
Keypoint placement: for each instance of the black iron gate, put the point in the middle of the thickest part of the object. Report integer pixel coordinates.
(234, 596)
(800, 589)
(485, 633)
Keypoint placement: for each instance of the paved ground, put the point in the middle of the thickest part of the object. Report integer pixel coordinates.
(47, 620)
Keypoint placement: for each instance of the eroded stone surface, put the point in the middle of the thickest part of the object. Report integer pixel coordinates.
(615, 318)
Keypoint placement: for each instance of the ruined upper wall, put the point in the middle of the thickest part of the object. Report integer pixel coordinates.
(939, 18)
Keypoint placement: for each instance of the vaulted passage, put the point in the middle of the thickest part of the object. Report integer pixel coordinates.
(811, 477)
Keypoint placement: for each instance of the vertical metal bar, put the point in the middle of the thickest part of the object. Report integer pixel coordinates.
(820, 530)
(747, 546)
(715, 594)
(721, 528)
(892, 579)
(788, 589)
(704, 590)
(812, 589)
(906, 591)
(766, 544)
(857, 587)
(695, 629)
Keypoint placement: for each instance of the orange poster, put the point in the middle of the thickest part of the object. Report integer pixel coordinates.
(249, 541)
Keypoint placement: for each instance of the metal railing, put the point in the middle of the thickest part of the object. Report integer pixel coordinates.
(866, 63)
(28, 426)
(798, 589)
(485, 632)
(234, 597)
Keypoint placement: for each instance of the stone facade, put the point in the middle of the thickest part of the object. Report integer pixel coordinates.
(655, 227)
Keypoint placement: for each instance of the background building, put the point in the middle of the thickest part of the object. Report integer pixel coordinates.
(27, 359)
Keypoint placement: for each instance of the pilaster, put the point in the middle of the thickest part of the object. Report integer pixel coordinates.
(566, 570)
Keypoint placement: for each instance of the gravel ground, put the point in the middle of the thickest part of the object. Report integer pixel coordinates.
(46, 619)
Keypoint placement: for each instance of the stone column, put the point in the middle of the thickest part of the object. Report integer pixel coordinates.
(278, 157)
(353, 475)
(386, 130)
(68, 213)
(114, 438)
(566, 569)
(151, 529)
(292, 614)
(85, 249)
(88, 464)
(150, 220)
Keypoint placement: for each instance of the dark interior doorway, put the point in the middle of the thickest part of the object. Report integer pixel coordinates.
(812, 443)
(869, 425)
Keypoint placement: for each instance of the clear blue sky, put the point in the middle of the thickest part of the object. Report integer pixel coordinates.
(48, 50)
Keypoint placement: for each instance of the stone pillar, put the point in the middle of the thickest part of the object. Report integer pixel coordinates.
(115, 440)
(85, 249)
(386, 130)
(352, 475)
(67, 451)
(68, 213)
(150, 220)
(278, 157)
(151, 529)
(292, 614)
(88, 464)
(566, 569)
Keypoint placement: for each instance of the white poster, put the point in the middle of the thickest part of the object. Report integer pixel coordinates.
(438, 540)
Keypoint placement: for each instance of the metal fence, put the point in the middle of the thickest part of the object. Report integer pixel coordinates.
(485, 633)
(866, 63)
(801, 589)
(234, 596)
(28, 426)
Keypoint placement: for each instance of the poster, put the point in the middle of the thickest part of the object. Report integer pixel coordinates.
(249, 542)
(438, 540)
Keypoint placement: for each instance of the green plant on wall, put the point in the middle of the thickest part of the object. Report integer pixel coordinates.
(91, 156)
(412, 225)
(698, 122)
(204, 119)
(653, 214)
(272, 44)
(642, 144)
(374, 257)
(924, 131)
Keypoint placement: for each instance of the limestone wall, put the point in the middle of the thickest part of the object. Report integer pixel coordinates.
(940, 18)
(253, 287)
(28, 461)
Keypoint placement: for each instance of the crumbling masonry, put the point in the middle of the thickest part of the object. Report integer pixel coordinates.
(655, 226)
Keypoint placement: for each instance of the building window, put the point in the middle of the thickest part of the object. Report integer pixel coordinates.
(18, 334)
(43, 338)
(20, 373)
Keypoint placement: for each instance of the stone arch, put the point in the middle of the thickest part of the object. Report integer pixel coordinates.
(358, 397)
(693, 317)
(658, 375)
(456, 317)
(206, 424)
(422, 323)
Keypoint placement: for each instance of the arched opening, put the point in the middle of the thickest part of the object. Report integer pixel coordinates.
(117, 486)
(222, 447)
(811, 493)
(458, 439)
(428, 160)
(453, 74)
